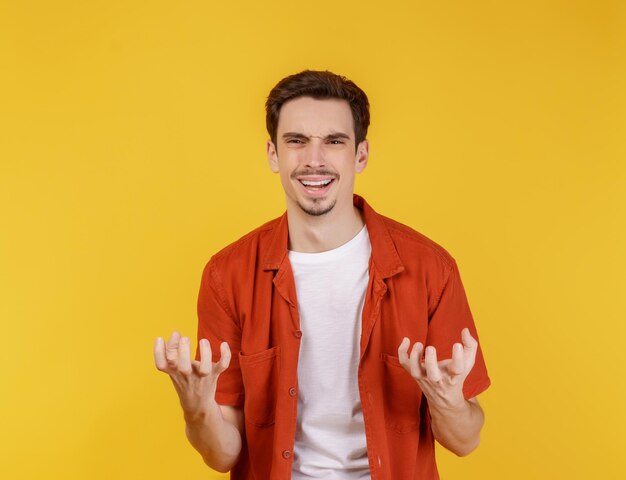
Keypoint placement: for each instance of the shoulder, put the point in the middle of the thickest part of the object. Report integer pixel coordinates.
(245, 250)
(424, 262)
(409, 238)
(412, 245)
(249, 241)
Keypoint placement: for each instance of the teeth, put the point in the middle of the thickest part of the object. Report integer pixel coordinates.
(315, 184)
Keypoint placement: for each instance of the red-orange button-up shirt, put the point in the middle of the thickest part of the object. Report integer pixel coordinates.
(248, 299)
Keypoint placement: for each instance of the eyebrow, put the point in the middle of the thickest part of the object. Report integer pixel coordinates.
(330, 136)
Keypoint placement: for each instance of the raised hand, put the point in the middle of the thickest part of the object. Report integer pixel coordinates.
(441, 381)
(195, 381)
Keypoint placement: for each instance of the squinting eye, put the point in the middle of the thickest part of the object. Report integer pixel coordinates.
(294, 140)
(336, 142)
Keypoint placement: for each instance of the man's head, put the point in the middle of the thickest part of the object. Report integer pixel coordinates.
(319, 85)
(317, 123)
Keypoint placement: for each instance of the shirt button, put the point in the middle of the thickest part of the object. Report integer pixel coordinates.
(297, 334)
(292, 392)
(286, 454)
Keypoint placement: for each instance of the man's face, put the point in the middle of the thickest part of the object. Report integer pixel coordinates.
(315, 154)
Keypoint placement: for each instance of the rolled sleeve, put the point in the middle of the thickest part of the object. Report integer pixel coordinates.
(217, 323)
(450, 316)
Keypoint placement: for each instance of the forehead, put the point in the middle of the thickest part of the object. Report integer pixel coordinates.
(312, 116)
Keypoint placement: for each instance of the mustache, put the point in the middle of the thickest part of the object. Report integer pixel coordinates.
(320, 172)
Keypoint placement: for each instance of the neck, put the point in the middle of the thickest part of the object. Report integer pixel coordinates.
(311, 234)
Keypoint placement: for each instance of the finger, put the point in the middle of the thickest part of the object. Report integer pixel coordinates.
(403, 352)
(470, 347)
(184, 356)
(224, 360)
(171, 349)
(456, 366)
(430, 362)
(159, 354)
(204, 368)
(469, 342)
(417, 370)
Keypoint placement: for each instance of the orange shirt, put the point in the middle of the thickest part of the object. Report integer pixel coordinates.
(248, 299)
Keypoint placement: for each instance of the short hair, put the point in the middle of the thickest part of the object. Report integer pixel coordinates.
(319, 85)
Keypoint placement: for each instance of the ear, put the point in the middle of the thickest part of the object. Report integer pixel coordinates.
(362, 155)
(272, 156)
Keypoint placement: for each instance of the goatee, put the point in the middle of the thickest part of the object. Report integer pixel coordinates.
(317, 210)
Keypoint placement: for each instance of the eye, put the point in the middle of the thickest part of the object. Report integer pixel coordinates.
(294, 140)
(336, 142)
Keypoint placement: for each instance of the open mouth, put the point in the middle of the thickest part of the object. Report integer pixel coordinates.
(316, 185)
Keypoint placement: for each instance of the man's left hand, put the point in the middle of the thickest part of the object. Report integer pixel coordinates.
(441, 381)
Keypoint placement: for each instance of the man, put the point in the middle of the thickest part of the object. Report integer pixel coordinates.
(313, 315)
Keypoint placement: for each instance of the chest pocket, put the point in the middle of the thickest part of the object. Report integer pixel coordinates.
(402, 396)
(260, 379)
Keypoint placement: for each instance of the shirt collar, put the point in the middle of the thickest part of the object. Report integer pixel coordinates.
(384, 254)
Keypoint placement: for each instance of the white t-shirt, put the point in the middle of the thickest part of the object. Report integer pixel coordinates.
(330, 433)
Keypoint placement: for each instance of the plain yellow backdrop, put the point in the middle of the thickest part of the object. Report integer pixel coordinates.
(132, 147)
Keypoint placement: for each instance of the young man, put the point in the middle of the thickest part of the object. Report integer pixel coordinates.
(313, 315)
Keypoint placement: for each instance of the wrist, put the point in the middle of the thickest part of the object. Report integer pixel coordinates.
(450, 407)
(201, 416)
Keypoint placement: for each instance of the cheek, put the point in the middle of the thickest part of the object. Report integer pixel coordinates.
(288, 162)
(285, 179)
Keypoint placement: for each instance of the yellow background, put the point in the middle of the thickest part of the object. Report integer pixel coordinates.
(132, 148)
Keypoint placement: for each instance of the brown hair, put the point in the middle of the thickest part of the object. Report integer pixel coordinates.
(318, 85)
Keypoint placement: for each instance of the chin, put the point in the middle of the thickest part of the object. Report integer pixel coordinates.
(318, 208)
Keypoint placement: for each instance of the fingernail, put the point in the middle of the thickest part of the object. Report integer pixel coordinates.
(184, 340)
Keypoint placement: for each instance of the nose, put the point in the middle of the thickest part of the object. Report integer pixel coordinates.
(315, 155)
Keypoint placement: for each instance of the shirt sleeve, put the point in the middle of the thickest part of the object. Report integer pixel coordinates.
(450, 316)
(217, 323)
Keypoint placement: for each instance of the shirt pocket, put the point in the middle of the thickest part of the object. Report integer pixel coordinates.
(260, 372)
(401, 396)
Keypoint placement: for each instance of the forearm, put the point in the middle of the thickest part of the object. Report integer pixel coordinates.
(457, 428)
(217, 440)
